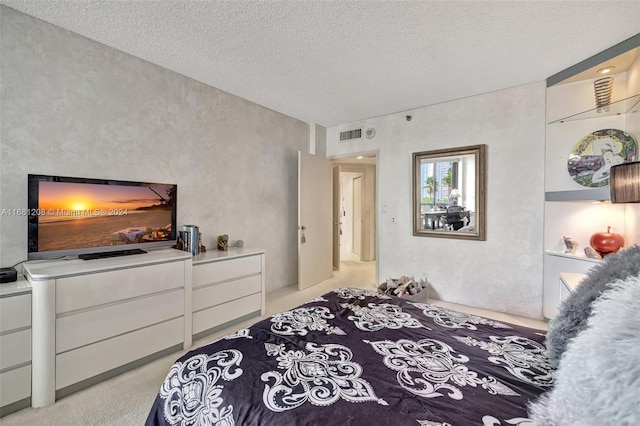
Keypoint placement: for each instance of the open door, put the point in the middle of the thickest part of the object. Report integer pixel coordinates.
(337, 217)
(315, 236)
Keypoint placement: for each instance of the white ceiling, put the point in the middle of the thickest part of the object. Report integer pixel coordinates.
(335, 62)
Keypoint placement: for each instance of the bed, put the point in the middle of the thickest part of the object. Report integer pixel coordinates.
(356, 357)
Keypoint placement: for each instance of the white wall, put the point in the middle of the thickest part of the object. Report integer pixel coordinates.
(503, 273)
(74, 107)
(633, 82)
(632, 221)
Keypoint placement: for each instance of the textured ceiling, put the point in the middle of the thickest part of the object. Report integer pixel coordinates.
(334, 62)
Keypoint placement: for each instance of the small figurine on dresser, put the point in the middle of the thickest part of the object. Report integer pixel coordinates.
(570, 245)
(179, 243)
(202, 247)
(223, 242)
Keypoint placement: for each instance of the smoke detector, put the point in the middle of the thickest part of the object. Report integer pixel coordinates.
(370, 133)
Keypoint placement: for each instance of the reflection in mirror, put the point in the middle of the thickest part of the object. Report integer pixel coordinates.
(449, 193)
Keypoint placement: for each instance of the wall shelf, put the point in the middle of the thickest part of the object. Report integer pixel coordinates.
(623, 106)
(572, 256)
(571, 209)
(592, 194)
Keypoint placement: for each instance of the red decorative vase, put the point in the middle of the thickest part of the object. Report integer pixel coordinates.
(606, 242)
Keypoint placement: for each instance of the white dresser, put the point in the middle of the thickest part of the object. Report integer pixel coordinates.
(15, 346)
(228, 286)
(73, 323)
(97, 318)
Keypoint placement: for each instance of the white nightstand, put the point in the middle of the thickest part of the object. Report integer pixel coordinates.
(569, 281)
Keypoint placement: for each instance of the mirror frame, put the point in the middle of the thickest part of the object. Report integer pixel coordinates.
(479, 153)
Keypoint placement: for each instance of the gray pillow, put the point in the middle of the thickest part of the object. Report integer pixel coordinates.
(599, 374)
(576, 309)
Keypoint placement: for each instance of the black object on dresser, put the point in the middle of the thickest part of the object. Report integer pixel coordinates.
(8, 275)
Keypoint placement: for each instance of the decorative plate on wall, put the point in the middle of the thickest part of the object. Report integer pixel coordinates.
(592, 157)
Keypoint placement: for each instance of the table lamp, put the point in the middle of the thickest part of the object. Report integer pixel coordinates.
(624, 183)
(454, 195)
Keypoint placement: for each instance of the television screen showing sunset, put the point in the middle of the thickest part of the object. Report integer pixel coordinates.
(75, 215)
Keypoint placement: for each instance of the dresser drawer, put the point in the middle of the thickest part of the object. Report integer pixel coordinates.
(213, 272)
(15, 385)
(217, 294)
(84, 291)
(15, 312)
(15, 348)
(88, 361)
(220, 314)
(93, 325)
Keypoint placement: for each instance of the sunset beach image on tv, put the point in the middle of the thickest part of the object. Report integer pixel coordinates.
(79, 215)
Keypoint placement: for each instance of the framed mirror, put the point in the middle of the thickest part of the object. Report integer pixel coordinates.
(449, 193)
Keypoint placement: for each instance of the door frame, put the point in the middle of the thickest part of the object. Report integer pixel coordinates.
(376, 177)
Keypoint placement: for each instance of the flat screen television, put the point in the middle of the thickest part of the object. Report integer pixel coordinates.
(70, 216)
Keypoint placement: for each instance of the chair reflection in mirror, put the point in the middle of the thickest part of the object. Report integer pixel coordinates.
(455, 218)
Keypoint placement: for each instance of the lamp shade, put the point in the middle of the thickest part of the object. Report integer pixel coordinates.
(624, 183)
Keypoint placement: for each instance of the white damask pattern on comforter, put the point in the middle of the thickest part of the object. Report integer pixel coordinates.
(356, 357)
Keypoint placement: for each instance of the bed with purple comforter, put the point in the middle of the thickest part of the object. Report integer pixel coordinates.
(355, 357)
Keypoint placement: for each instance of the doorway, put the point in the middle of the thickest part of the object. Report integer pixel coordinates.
(356, 207)
(351, 215)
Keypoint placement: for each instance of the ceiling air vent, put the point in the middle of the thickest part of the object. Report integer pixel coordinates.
(350, 135)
